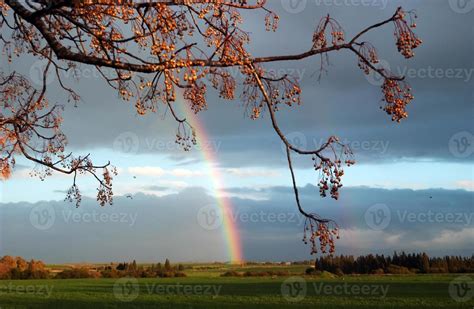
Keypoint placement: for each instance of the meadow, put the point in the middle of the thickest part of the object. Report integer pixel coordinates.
(204, 287)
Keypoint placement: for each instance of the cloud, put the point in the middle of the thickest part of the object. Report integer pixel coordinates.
(448, 238)
(251, 172)
(150, 171)
(153, 171)
(271, 229)
(155, 188)
(466, 184)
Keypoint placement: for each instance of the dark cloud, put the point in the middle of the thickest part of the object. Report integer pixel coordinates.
(343, 103)
(150, 228)
(155, 188)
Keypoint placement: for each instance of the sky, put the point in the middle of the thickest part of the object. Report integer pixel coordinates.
(411, 189)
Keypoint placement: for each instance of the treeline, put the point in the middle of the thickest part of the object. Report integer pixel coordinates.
(19, 268)
(398, 263)
(251, 273)
(165, 270)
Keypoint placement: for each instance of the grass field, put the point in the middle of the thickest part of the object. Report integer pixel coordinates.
(204, 288)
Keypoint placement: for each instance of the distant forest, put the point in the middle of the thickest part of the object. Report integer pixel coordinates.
(398, 263)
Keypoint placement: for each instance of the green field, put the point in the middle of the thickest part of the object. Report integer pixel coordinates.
(204, 288)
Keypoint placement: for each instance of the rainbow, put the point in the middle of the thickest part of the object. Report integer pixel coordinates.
(229, 226)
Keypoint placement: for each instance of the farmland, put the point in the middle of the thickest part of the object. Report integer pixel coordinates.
(204, 287)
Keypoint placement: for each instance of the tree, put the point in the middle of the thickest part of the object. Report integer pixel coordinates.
(425, 263)
(167, 265)
(148, 51)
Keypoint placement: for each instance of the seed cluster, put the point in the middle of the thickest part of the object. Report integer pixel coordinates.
(331, 171)
(397, 95)
(185, 136)
(319, 37)
(407, 40)
(369, 53)
(322, 232)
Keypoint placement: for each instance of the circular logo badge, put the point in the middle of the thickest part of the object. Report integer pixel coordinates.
(210, 217)
(462, 6)
(294, 6)
(378, 217)
(127, 143)
(42, 216)
(296, 139)
(461, 144)
(126, 289)
(374, 78)
(461, 289)
(294, 289)
(37, 71)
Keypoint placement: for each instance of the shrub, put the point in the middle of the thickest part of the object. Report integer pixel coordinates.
(75, 273)
(231, 273)
(398, 270)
